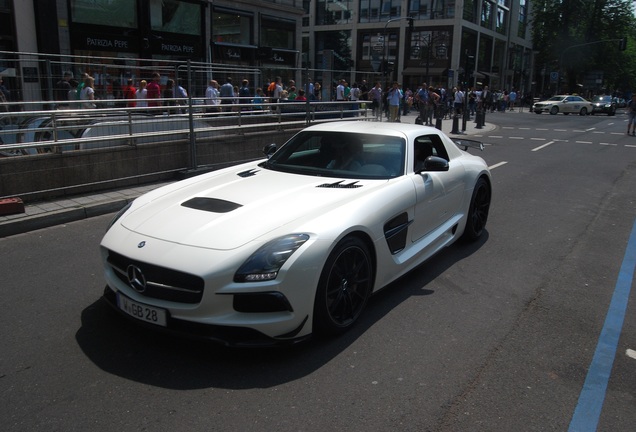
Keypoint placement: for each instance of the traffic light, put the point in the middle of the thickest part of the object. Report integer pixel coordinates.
(622, 44)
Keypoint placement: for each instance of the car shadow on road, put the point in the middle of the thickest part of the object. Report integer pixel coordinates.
(119, 347)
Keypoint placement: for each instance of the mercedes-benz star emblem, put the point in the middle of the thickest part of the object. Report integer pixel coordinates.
(136, 278)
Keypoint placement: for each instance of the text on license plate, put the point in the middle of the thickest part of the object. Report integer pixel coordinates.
(141, 311)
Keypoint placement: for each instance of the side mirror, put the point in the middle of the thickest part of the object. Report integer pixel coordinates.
(269, 150)
(435, 163)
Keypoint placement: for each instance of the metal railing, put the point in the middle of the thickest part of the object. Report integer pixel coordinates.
(47, 153)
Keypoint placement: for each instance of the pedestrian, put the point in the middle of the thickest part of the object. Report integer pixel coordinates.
(62, 87)
(422, 97)
(226, 93)
(259, 99)
(87, 94)
(458, 102)
(212, 97)
(153, 91)
(394, 98)
(375, 96)
(168, 96)
(142, 94)
(244, 94)
(631, 111)
(130, 93)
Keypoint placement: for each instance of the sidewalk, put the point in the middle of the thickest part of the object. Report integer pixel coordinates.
(45, 214)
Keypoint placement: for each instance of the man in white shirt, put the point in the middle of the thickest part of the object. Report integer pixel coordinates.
(458, 102)
(212, 97)
(340, 91)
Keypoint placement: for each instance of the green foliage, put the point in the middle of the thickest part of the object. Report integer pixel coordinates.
(581, 36)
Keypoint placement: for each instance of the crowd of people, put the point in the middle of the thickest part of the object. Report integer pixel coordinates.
(427, 100)
(433, 102)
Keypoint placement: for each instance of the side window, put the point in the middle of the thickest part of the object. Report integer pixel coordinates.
(428, 145)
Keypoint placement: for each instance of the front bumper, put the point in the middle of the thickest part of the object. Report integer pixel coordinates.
(225, 335)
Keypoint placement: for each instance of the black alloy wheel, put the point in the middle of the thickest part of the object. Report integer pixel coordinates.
(344, 288)
(478, 210)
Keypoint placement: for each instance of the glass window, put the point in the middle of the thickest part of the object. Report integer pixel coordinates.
(379, 10)
(117, 13)
(470, 10)
(502, 19)
(174, 16)
(229, 27)
(486, 14)
(333, 11)
(278, 33)
(523, 18)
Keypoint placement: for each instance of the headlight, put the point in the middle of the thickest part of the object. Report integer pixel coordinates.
(265, 263)
(119, 214)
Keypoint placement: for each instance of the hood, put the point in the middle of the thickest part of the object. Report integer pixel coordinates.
(229, 208)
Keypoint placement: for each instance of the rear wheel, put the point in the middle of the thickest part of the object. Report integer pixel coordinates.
(344, 288)
(478, 210)
(583, 111)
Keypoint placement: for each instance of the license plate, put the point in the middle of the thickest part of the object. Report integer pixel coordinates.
(141, 311)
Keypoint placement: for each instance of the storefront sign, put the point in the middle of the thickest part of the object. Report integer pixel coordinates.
(84, 39)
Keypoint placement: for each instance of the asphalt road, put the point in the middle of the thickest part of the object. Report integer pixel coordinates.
(494, 336)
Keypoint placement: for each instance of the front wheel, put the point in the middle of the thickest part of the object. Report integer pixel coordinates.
(554, 110)
(478, 210)
(345, 286)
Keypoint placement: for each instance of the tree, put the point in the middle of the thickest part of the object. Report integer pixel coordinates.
(576, 37)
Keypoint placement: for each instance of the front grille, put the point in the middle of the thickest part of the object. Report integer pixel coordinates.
(160, 282)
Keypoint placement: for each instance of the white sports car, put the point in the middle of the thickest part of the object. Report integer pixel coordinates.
(274, 250)
(565, 104)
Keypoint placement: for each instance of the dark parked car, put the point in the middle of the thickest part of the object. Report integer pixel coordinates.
(620, 102)
(603, 104)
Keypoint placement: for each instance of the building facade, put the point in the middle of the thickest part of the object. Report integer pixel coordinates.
(441, 42)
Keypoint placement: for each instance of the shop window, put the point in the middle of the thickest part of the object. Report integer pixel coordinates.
(121, 13)
(231, 27)
(174, 16)
(278, 33)
(486, 14)
(502, 18)
(470, 10)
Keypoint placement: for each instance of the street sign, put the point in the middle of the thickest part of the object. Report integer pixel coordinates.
(554, 77)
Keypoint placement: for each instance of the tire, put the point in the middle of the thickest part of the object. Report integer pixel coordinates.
(344, 288)
(554, 110)
(583, 111)
(478, 211)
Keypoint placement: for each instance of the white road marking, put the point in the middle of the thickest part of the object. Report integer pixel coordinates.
(630, 145)
(538, 139)
(517, 138)
(544, 145)
(497, 165)
(560, 130)
(631, 353)
(584, 142)
(608, 144)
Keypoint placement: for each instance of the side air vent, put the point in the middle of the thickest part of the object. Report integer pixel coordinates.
(248, 173)
(211, 205)
(395, 232)
(340, 185)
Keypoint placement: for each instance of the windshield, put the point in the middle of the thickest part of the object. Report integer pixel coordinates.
(341, 154)
(556, 98)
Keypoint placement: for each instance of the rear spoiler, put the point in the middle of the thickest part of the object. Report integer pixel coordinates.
(464, 144)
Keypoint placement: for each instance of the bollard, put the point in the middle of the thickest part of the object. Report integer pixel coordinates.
(455, 124)
(465, 120)
(479, 119)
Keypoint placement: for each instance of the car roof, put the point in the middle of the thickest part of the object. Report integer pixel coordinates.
(367, 127)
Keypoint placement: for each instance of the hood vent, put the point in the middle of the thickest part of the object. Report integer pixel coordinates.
(248, 173)
(211, 205)
(340, 185)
